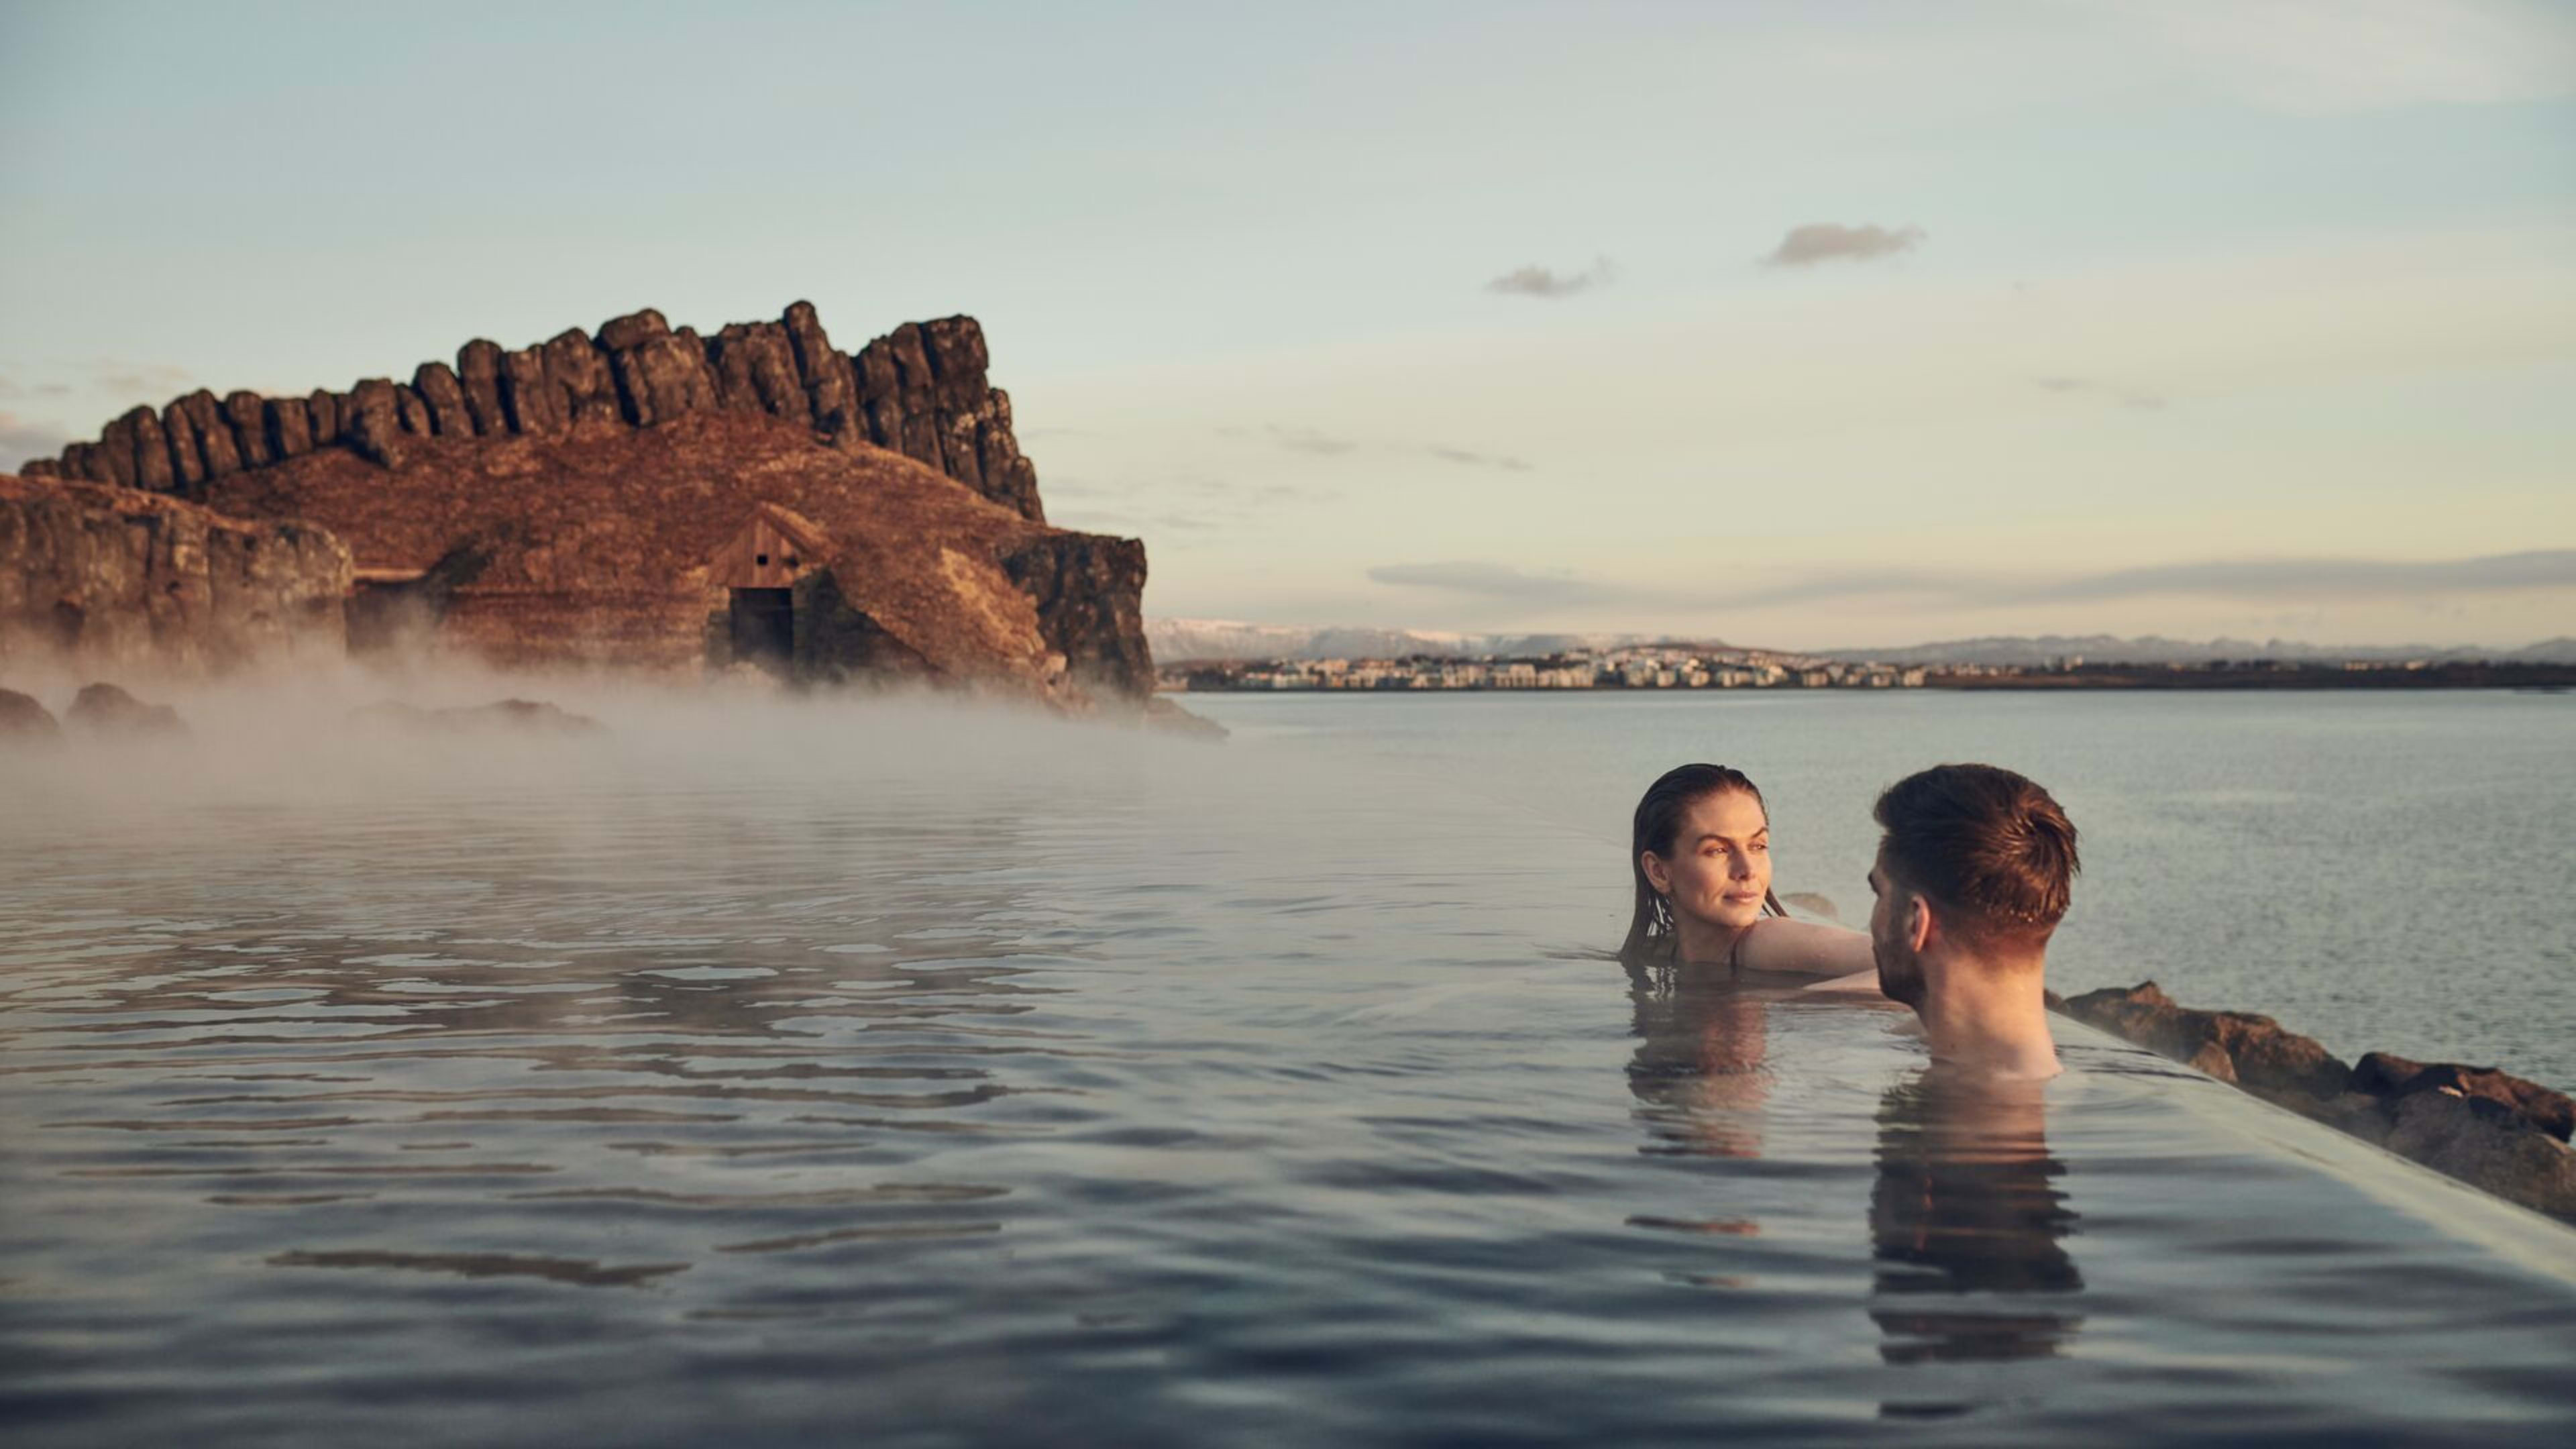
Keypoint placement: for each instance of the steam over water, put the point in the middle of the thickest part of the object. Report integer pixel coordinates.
(764, 1073)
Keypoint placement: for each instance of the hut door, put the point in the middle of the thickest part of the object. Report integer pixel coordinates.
(764, 626)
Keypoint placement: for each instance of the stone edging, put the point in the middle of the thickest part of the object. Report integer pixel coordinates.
(2494, 1131)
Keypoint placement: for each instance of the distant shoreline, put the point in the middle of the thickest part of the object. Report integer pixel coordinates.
(2540, 678)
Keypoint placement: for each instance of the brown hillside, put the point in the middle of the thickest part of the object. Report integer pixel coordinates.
(601, 547)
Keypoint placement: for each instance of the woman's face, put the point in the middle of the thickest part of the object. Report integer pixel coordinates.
(1720, 867)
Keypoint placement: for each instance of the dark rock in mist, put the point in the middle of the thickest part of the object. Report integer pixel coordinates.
(507, 716)
(1164, 713)
(108, 712)
(24, 721)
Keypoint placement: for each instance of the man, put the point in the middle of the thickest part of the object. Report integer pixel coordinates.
(1974, 871)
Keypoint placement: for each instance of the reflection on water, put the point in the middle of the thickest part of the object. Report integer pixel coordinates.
(1969, 1225)
(1698, 1074)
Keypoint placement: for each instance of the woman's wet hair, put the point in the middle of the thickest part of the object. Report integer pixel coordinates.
(1989, 844)
(1658, 821)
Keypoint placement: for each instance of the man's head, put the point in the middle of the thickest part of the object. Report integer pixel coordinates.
(1976, 864)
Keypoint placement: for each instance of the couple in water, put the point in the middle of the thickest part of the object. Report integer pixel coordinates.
(1975, 867)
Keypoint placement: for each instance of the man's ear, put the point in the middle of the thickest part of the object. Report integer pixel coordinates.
(1918, 922)
(1656, 876)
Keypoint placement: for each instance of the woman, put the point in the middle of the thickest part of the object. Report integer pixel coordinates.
(1701, 850)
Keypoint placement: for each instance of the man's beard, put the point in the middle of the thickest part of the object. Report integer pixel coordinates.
(1900, 976)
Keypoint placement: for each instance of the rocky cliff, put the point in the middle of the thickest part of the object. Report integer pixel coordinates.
(118, 577)
(598, 497)
(920, 391)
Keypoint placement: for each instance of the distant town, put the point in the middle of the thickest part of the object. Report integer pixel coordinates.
(1700, 666)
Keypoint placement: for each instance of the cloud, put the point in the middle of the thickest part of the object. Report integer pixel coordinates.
(134, 379)
(2272, 581)
(22, 439)
(1538, 281)
(1317, 443)
(1485, 580)
(1477, 460)
(2112, 391)
(2320, 577)
(1825, 241)
(1308, 440)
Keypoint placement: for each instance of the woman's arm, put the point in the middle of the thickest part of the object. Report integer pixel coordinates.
(1803, 948)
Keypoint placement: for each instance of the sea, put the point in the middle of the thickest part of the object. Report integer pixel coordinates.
(761, 1070)
(2381, 870)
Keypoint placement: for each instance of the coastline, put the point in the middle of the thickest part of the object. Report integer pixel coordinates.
(2504, 1135)
(2534, 678)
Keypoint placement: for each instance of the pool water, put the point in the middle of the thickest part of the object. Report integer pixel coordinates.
(920, 1076)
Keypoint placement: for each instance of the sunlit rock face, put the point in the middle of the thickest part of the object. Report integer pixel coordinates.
(646, 497)
(115, 578)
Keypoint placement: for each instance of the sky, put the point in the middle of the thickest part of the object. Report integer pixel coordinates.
(1793, 324)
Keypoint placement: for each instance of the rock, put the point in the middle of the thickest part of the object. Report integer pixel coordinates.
(954, 348)
(478, 372)
(41, 468)
(290, 428)
(884, 420)
(445, 397)
(620, 334)
(601, 552)
(1009, 478)
(527, 399)
(831, 385)
(664, 377)
(2234, 1046)
(755, 367)
(2386, 1076)
(2357, 1113)
(108, 712)
(152, 470)
(2487, 1145)
(187, 462)
(412, 413)
(874, 366)
(1089, 592)
(116, 451)
(214, 438)
(124, 580)
(24, 722)
(246, 416)
(912, 374)
(585, 393)
(372, 423)
(513, 716)
(322, 415)
(957, 452)
(1164, 714)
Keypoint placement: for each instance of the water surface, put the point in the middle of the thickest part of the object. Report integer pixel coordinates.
(766, 1075)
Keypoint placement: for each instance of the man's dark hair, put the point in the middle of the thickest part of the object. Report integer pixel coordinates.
(1987, 843)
